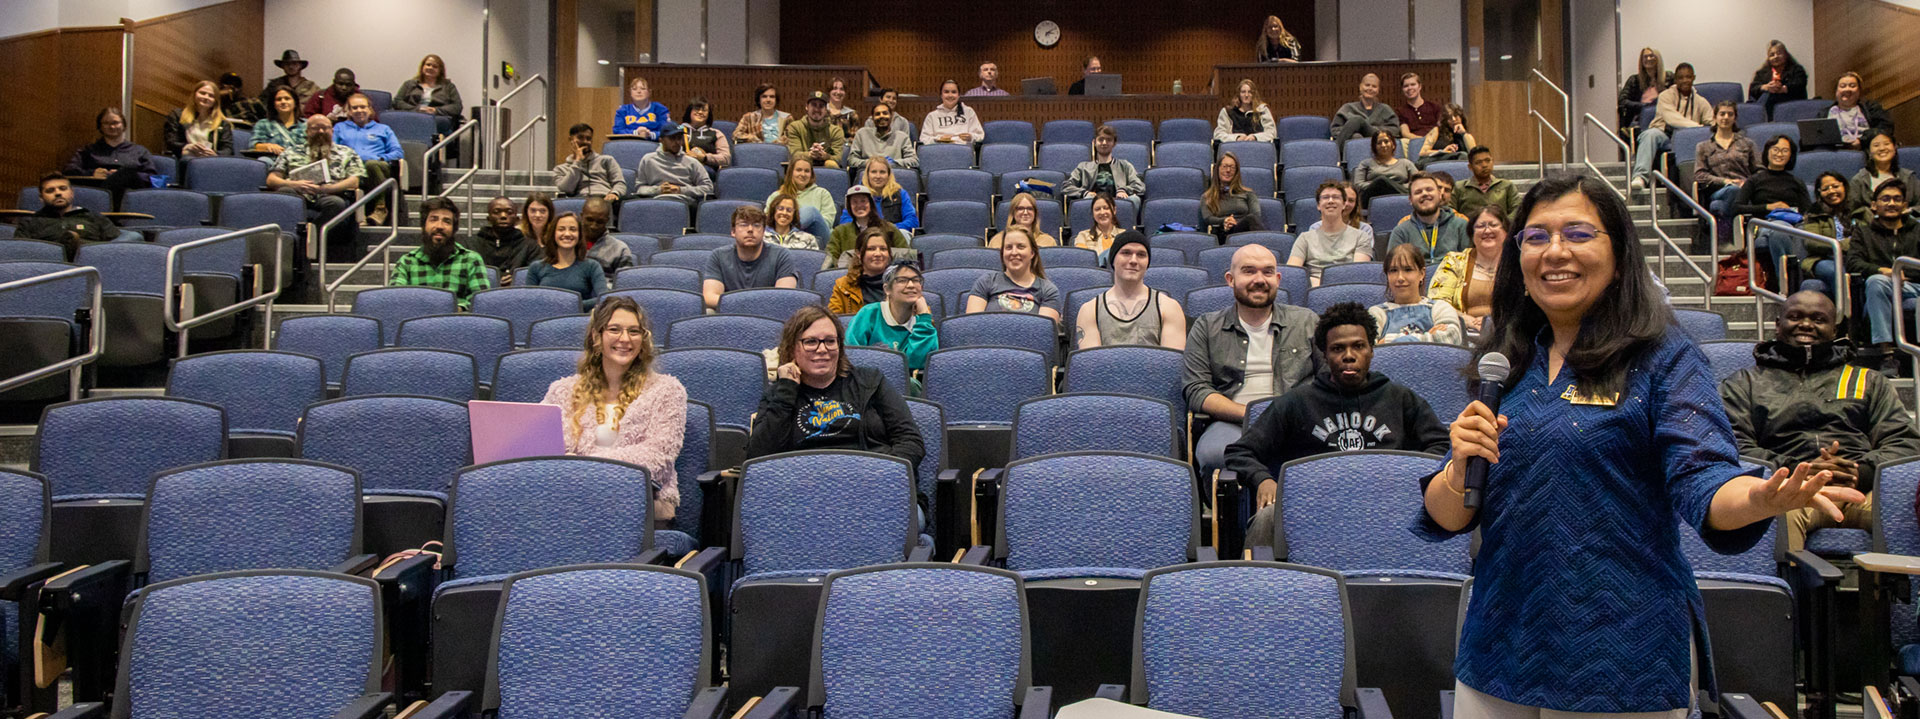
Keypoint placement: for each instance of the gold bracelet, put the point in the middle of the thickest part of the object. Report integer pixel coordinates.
(1449, 485)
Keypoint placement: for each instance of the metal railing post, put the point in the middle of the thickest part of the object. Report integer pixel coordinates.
(1566, 110)
(182, 325)
(439, 152)
(391, 187)
(1713, 228)
(1900, 265)
(1586, 157)
(500, 150)
(96, 337)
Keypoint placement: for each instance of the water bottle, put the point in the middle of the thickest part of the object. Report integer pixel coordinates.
(1176, 87)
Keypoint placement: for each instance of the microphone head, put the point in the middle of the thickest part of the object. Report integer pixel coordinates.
(1494, 367)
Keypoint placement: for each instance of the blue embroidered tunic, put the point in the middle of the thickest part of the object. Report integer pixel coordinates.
(1582, 600)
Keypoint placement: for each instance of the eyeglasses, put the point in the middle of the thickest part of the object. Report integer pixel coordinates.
(1577, 234)
(634, 332)
(819, 343)
(908, 281)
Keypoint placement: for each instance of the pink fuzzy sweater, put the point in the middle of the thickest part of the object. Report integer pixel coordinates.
(651, 431)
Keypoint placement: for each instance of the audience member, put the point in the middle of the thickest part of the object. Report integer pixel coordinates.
(903, 323)
(611, 252)
(235, 104)
(1365, 116)
(441, 261)
(1104, 173)
(1227, 206)
(895, 205)
(814, 136)
(767, 123)
(1805, 401)
(199, 129)
(1642, 88)
(783, 229)
(1722, 163)
(1130, 312)
(1347, 407)
(705, 142)
(820, 400)
(500, 243)
(862, 284)
(293, 67)
(670, 173)
(340, 175)
(1448, 140)
(1856, 114)
(1677, 107)
(617, 407)
(1331, 241)
(1882, 162)
(952, 121)
(1464, 279)
(1483, 189)
(862, 214)
(432, 92)
(1876, 242)
(1090, 67)
(641, 116)
(61, 221)
(585, 173)
(1779, 79)
(562, 265)
(1105, 229)
(1023, 213)
(816, 204)
(1255, 349)
(115, 161)
(989, 82)
(1351, 201)
(536, 217)
(1247, 119)
(281, 129)
(1407, 316)
(750, 262)
(332, 101)
(1276, 44)
(378, 147)
(1833, 216)
(1771, 189)
(1434, 226)
(891, 98)
(838, 112)
(1417, 116)
(880, 140)
(1021, 285)
(1383, 173)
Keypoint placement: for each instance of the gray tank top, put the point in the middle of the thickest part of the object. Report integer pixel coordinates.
(1141, 329)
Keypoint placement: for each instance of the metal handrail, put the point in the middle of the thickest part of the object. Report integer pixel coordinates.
(542, 79)
(500, 153)
(1586, 157)
(1843, 291)
(333, 288)
(1666, 241)
(1540, 141)
(96, 338)
(492, 113)
(390, 187)
(168, 308)
(439, 152)
(1899, 317)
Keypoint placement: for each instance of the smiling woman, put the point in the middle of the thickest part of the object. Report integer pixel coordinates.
(819, 400)
(617, 407)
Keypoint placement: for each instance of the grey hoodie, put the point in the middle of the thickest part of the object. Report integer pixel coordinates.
(659, 168)
(592, 177)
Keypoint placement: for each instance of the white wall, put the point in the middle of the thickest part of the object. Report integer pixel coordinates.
(1437, 28)
(1375, 29)
(1594, 72)
(763, 32)
(29, 16)
(1726, 40)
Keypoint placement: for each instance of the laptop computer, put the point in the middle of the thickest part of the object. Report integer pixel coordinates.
(1819, 132)
(1103, 83)
(1038, 86)
(512, 430)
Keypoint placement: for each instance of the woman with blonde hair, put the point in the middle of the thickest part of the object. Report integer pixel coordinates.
(1276, 44)
(1643, 87)
(1023, 212)
(819, 400)
(431, 92)
(617, 407)
(199, 129)
(1247, 118)
(894, 205)
(1021, 285)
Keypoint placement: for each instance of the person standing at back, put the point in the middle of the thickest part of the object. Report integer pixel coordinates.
(1276, 44)
(989, 82)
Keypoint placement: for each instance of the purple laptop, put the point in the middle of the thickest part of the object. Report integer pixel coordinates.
(511, 430)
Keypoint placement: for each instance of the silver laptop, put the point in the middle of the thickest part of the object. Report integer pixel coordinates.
(1103, 83)
(1038, 86)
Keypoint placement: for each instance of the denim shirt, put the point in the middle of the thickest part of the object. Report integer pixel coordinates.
(1216, 354)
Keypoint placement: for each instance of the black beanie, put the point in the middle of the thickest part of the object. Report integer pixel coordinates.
(1125, 238)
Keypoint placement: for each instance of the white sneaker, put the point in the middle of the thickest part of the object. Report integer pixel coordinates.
(1638, 183)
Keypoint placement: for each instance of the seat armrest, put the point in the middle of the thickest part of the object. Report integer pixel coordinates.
(920, 553)
(13, 585)
(1811, 568)
(89, 710)
(1114, 692)
(451, 705)
(88, 586)
(781, 703)
(1741, 706)
(1373, 704)
(703, 561)
(370, 706)
(1230, 512)
(1037, 704)
(708, 704)
(409, 578)
(1206, 554)
(1261, 554)
(716, 509)
(357, 565)
(975, 555)
(955, 511)
(1888, 563)
(1446, 704)
(655, 555)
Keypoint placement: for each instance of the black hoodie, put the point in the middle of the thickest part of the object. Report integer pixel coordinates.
(1321, 417)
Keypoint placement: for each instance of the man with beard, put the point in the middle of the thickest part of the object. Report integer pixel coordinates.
(1434, 226)
(612, 253)
(324, 201)
(1130, 312)
(60, 221)
(440, 261)
(880, 138)
(1253, 350)
(814, 137)
(1346, 407)
(501, 244)
(1804, 401)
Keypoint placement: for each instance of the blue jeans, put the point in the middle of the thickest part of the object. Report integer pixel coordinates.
(1652, 143)
(1879, 303)
(1823, 272)
(1721, 205)
(1210, 452)
(1770, 246)
(814, 224)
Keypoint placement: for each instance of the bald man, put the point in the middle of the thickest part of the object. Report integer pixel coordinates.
(1362, 117)
(1255, 349)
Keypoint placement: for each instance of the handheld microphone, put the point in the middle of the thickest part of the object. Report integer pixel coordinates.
(1493, 373)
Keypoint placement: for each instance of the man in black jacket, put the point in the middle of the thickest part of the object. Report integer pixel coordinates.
(61, 221)
(500, 242)
(1346, 407)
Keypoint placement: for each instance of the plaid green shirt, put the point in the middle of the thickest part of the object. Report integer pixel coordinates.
(464, 273)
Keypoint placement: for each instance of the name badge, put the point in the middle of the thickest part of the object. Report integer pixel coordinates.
(1575, 396)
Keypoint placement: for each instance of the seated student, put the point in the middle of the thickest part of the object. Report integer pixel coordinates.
(1882, 164)
(324, 201)
(819, 400)
(896, 206)
(236, 104)
(861, 216)
(1770, 189)
(783, 229)
(585, 173)
(903, 323)
(1021, 285)
(705, 142)
(952, 121)
(1417, 116)
(1365, 116)
(1832, 216)
(440, 260)
(293, 67)
(1345, 408)
(283, 127)
(1722, 164)
(611, 252)
(1677, 107)
(1130, 312)
(880, 140)
(199, 129)
(1889, 233)
(862, 284)
(641, 116)
(1255, 349)
(113, 159)
(1448, 140)
(617, 407)
(536, 217)
(1331, 241)
(670, 173)
(378, 147)
(1483, 189)
(1464, 280)
(816, 204)
(1352, 211)
(1276, 44)
(891, 98)
(1855, 114)
(1780, 79)
(989, 82)
(1104, 173)
(500, 243)
(814, 136)
(1805, 401)
(431, 92)
(561, 263)
(1434, 226)
(1641, 89)
(766, 123)
(1382, 173)
(1246, 119)
(1023, 213)
(1105, 229)
(1406, 316)
(838, 112)
(1228, 206)
(750, 262)
(60, 221)
(331, 100)
(1090, 67)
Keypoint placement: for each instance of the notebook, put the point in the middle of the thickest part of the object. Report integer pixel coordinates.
(512, 430)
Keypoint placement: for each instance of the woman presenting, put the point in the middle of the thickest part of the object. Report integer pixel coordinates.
(1582, 601)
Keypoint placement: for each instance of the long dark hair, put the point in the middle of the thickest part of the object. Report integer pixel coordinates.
(1628, 318)
(1866, 150)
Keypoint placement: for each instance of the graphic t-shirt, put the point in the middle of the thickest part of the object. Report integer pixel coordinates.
(1003, 295)
(825, 420)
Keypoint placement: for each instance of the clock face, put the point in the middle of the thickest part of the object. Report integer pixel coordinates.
(1047, 33)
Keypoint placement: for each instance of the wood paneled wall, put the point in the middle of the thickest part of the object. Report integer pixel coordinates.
(57, 81)
(174, 52)
(1872, 38)
(914, 47)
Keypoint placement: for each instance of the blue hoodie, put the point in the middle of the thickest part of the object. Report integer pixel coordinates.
(629, 119)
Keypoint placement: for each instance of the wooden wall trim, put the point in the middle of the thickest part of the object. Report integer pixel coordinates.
(1869, 37)
(174, 52)
(59, 80)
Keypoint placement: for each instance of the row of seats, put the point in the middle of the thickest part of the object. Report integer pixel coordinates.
(1750, 113)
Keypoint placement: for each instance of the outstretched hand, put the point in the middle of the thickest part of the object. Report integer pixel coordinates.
(1802, 488)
